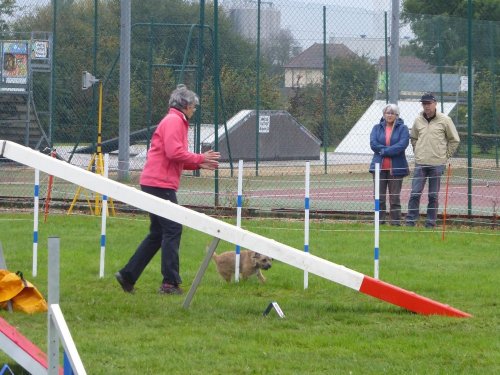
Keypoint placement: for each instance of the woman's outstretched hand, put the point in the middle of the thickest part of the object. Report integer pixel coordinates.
(211, 161)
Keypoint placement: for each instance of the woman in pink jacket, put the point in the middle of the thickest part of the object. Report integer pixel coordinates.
(166, 159)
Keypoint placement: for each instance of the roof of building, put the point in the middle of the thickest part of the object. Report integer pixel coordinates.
(312, 57)
(409, 64)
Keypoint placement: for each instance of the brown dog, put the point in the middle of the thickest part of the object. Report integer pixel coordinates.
(250, 264)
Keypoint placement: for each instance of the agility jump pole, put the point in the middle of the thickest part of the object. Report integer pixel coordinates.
(104, 214)
(227, 232)
(36, 207)
(306, 219)
(377, 221)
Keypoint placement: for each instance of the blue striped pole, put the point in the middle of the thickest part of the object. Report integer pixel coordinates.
(35, 221)
(104, 214)
(377, 220)
(239, 204)
(306, 220)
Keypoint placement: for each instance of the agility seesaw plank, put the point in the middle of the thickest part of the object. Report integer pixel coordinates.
(224, 231)
(21, 350)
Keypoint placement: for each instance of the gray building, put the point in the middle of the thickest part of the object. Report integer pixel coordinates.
(245, 22)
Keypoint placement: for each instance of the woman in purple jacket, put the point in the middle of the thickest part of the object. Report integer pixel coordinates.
(166, 159)
(389, 140)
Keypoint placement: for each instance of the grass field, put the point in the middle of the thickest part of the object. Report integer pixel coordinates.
(328, 329)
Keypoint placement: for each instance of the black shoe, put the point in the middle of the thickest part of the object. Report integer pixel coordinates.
(410, 224)
(430, 225)
(126, 286)
(170, 289)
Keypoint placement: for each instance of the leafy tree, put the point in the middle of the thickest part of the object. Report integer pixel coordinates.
(306, 105)
(239, 89)
(440, 29)
(7, 9)
(350, 79)
(484, 119)
(156, 53)
(483, 9)
(351, 83)
(281, 50)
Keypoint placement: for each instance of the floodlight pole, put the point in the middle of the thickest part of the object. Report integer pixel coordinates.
(394, 67)
(124, 101)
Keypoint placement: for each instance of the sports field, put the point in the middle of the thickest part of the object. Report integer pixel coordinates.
(327, 328)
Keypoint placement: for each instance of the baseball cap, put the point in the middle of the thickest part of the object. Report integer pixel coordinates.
(427, 97)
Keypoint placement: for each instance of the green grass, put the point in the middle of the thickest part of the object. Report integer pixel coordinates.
(328, 329)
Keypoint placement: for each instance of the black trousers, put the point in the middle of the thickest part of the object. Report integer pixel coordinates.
(393, 184)
(163, 234)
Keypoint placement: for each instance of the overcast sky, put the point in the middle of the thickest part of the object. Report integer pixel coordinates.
(383, 5)
(345, 19)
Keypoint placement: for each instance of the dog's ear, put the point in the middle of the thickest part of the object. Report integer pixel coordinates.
(255, 255)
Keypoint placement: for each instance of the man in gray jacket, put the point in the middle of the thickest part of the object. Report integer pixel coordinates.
(434, 139)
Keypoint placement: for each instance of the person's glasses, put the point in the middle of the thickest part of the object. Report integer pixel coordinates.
(390, 113)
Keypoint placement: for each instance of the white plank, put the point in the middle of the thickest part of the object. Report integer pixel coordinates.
(182, 215)
(67, 340)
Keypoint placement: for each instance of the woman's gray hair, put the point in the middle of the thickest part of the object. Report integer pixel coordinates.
(391, 108)
(181, 98)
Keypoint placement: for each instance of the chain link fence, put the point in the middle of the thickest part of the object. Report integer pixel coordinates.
(293, 82)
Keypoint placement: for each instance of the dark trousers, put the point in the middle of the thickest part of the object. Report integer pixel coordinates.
(164, 234)
(393, 185)
(422, 173)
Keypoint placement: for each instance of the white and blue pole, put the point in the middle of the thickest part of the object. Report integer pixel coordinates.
(35, 221)
(377, 220)
(239, 203)
(306, 220)
(104, 213)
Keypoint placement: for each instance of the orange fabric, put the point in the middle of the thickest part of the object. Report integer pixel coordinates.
(10, 285)
(24, 296)
(386, 162)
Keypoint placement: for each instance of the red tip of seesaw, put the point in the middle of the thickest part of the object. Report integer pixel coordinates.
(408, 300)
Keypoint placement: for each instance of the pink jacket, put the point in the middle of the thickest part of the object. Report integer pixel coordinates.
(169, 154)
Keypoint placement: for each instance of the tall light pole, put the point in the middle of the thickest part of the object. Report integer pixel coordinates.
(394, 67)
(124, 106)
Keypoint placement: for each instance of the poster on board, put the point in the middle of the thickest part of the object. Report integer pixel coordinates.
(14, 60)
